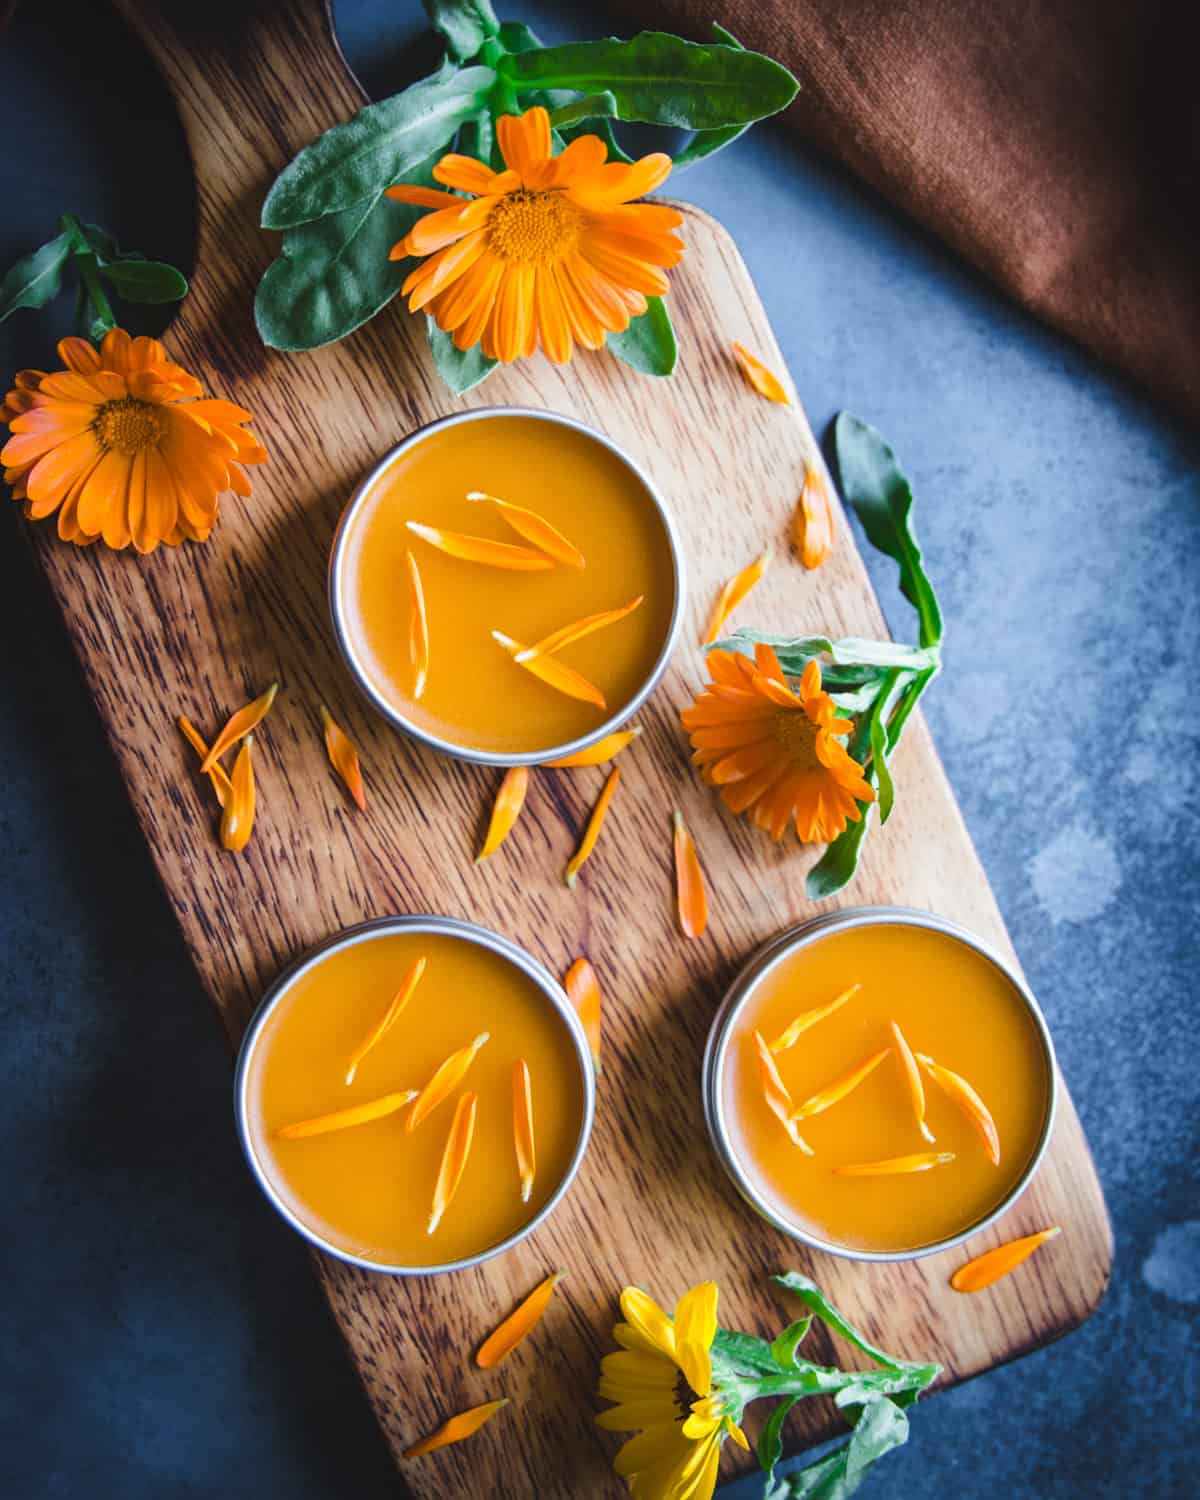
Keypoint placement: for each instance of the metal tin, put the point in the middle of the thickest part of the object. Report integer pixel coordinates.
(761, 964)
(337, 601)
(445, 927)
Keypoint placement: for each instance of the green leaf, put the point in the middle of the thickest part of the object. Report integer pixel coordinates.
(661, 79)
(783, 1350)
(815, 1299)
(477, 137)
(461, 369)
(464, 25)
(648, 344)
(140, 280)
(875, 485)
(591, 106)
(770, 1440)
(516, 37)
(881, 711)
(706, 143)
(383, 143)
(601, 126)
(743, 1353)
(881, 1426)
(334, 274)
(36, 278)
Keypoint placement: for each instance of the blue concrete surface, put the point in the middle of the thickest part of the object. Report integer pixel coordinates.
(162, 1336)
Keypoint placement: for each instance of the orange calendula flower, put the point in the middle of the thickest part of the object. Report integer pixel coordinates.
(343, 757)
(552, 250)
(123, 445)
(774, 752)
(812, 528)
(462, 1426)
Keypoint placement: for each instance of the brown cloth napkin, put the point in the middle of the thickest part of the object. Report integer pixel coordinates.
(1054, 143)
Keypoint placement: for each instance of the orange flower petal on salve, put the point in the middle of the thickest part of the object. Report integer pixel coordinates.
(567, 635)
(523, 1139)
(237, 816)
(595, 755)
(389, 1018)
(445, 1080)
(960, 1091)
(777, 1095)
(922, 1161)
(993, 1264)
(812, 528)
(552, 672)
(217, 775)
(343, 757)
(481, 549)
(454, 1158)
(119, 446)
(592, 832)
(457, 1428)
(764, 381)
(836, 1091)
(583, 991)
(240, 724)
(691, 900)
(796, 1029)
(912, 1075)
(518, 1325)
(343, 1119)
(732, 594)
(535, 529)
(506, 809)
(418, 627)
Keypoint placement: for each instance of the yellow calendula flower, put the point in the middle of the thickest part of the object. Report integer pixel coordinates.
(662, 1383)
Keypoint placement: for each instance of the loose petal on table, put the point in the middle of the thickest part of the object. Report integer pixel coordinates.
(732, 593)
(510, 799)
(595, 755)
(762, 379)
(993, 1264)
(592, 831)
(812, 527)
(691, 899)
(239, 725)
(457, 1428)
(218, 776)
(237, 815)
(518, 1325)
(343, 757)
(583, 991)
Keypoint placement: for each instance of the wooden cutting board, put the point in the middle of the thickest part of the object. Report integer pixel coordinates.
(201, 629)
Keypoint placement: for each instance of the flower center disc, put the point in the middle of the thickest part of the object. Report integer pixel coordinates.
(129, 425)
(533, 226)
(796, 732)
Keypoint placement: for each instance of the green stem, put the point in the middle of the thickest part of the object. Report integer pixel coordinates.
(503, 97)
(89, 275)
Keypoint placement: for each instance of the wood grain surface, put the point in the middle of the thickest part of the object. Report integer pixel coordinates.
(200, 629)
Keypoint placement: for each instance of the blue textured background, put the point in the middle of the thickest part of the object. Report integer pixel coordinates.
(163, 1337)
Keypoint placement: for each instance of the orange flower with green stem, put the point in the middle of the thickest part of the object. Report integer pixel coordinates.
(553, 251)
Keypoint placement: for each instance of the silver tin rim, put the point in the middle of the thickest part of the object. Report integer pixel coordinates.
(338, 610)
(440, 926)
(759, 965)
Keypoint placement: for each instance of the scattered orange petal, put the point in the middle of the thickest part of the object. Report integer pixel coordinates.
(444, 1081)
(961, 1092)
(812, 528)
(921, 1162)
(792, 1034)
(454, 1158)
(583, 991)
(343, 1119)
(505, 810)
(592, 832)
(481, 549)
(418, 628)
(389, 1018)
(535, 529)
(240, 724)
(552, 672)
(732, 594)
(518, 1325)
(994, 1264)
(836, 1091)
(523, 1127)
(775, 1092)
(595, 755)
(457, 1428)
(912, 1074)
(764, 381)
(343, 757)
(218, 776)
(567, 635)
(691, 901)
(237, 815)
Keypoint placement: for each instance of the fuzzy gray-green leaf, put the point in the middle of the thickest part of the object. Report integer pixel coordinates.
(648, 344)
(461, 369)
(36, 278)
(464, 25)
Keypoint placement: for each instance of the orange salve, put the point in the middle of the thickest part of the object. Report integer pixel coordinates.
(368, 1189)
(952, 1004)
(475, 696)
